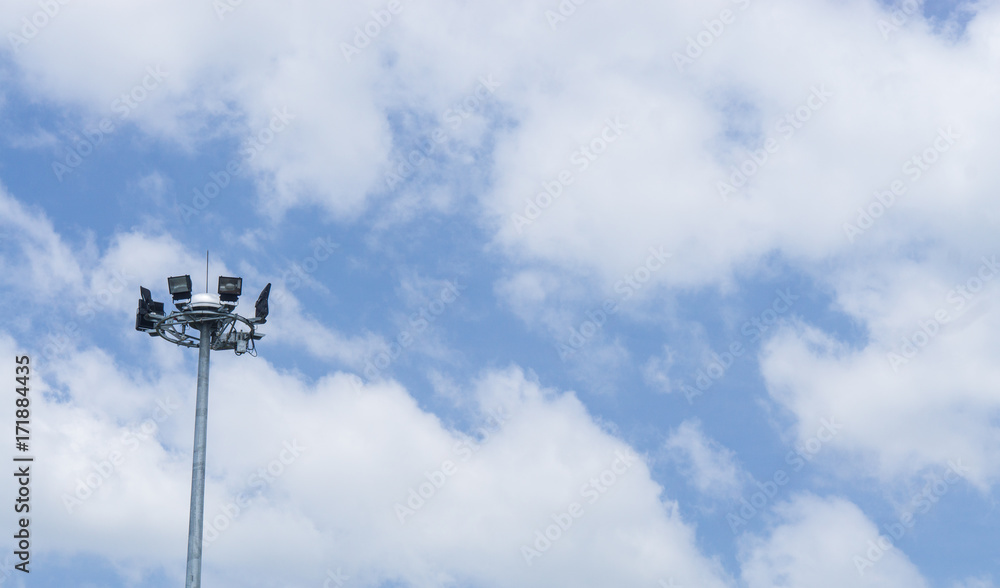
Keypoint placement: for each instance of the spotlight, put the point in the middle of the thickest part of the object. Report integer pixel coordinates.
(146, 307)
(261, 307)
(179, 287)
(230, 288)
(142, 322)
(145, 298)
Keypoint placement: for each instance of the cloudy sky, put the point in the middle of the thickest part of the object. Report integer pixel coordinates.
(579, 293)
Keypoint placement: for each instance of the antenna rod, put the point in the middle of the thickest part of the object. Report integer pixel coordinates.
(206, 271)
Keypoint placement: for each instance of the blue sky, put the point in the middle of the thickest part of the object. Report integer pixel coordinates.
(698, 239)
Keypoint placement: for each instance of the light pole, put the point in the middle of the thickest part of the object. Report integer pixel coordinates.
(205, 321)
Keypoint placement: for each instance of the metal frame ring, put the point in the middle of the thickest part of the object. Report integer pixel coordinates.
(174, 328)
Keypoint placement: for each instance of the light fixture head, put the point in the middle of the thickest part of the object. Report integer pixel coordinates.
(260, 308)
(145, 298)
(179, 287)
(146, 307)
(230, 288)
(142, 320)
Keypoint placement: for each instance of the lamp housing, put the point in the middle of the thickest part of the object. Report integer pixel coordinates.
(146, 307)
(230, 288)
(145, 298)
(179, 287)
(142, 320)
(260, 308)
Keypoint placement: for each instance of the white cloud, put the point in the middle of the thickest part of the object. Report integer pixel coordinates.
(217, 73)
(981, 582)
(708, 466)
(290, 324)
(656, 183)
(656, 371)
(321, 469)
(38, 139)
(818, 542)
(153, 186)
(35, 258)
(918, 393)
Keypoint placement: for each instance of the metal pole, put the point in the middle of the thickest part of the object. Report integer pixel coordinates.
(195, 525)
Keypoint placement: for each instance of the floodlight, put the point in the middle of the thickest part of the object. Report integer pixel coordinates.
(142, 321)
(230, 288)
(146, 307)
(261, 307)
(180, 287)
(145, 299)
(147, 304)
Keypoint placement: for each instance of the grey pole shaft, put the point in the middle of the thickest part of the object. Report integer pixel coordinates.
(196, 523)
